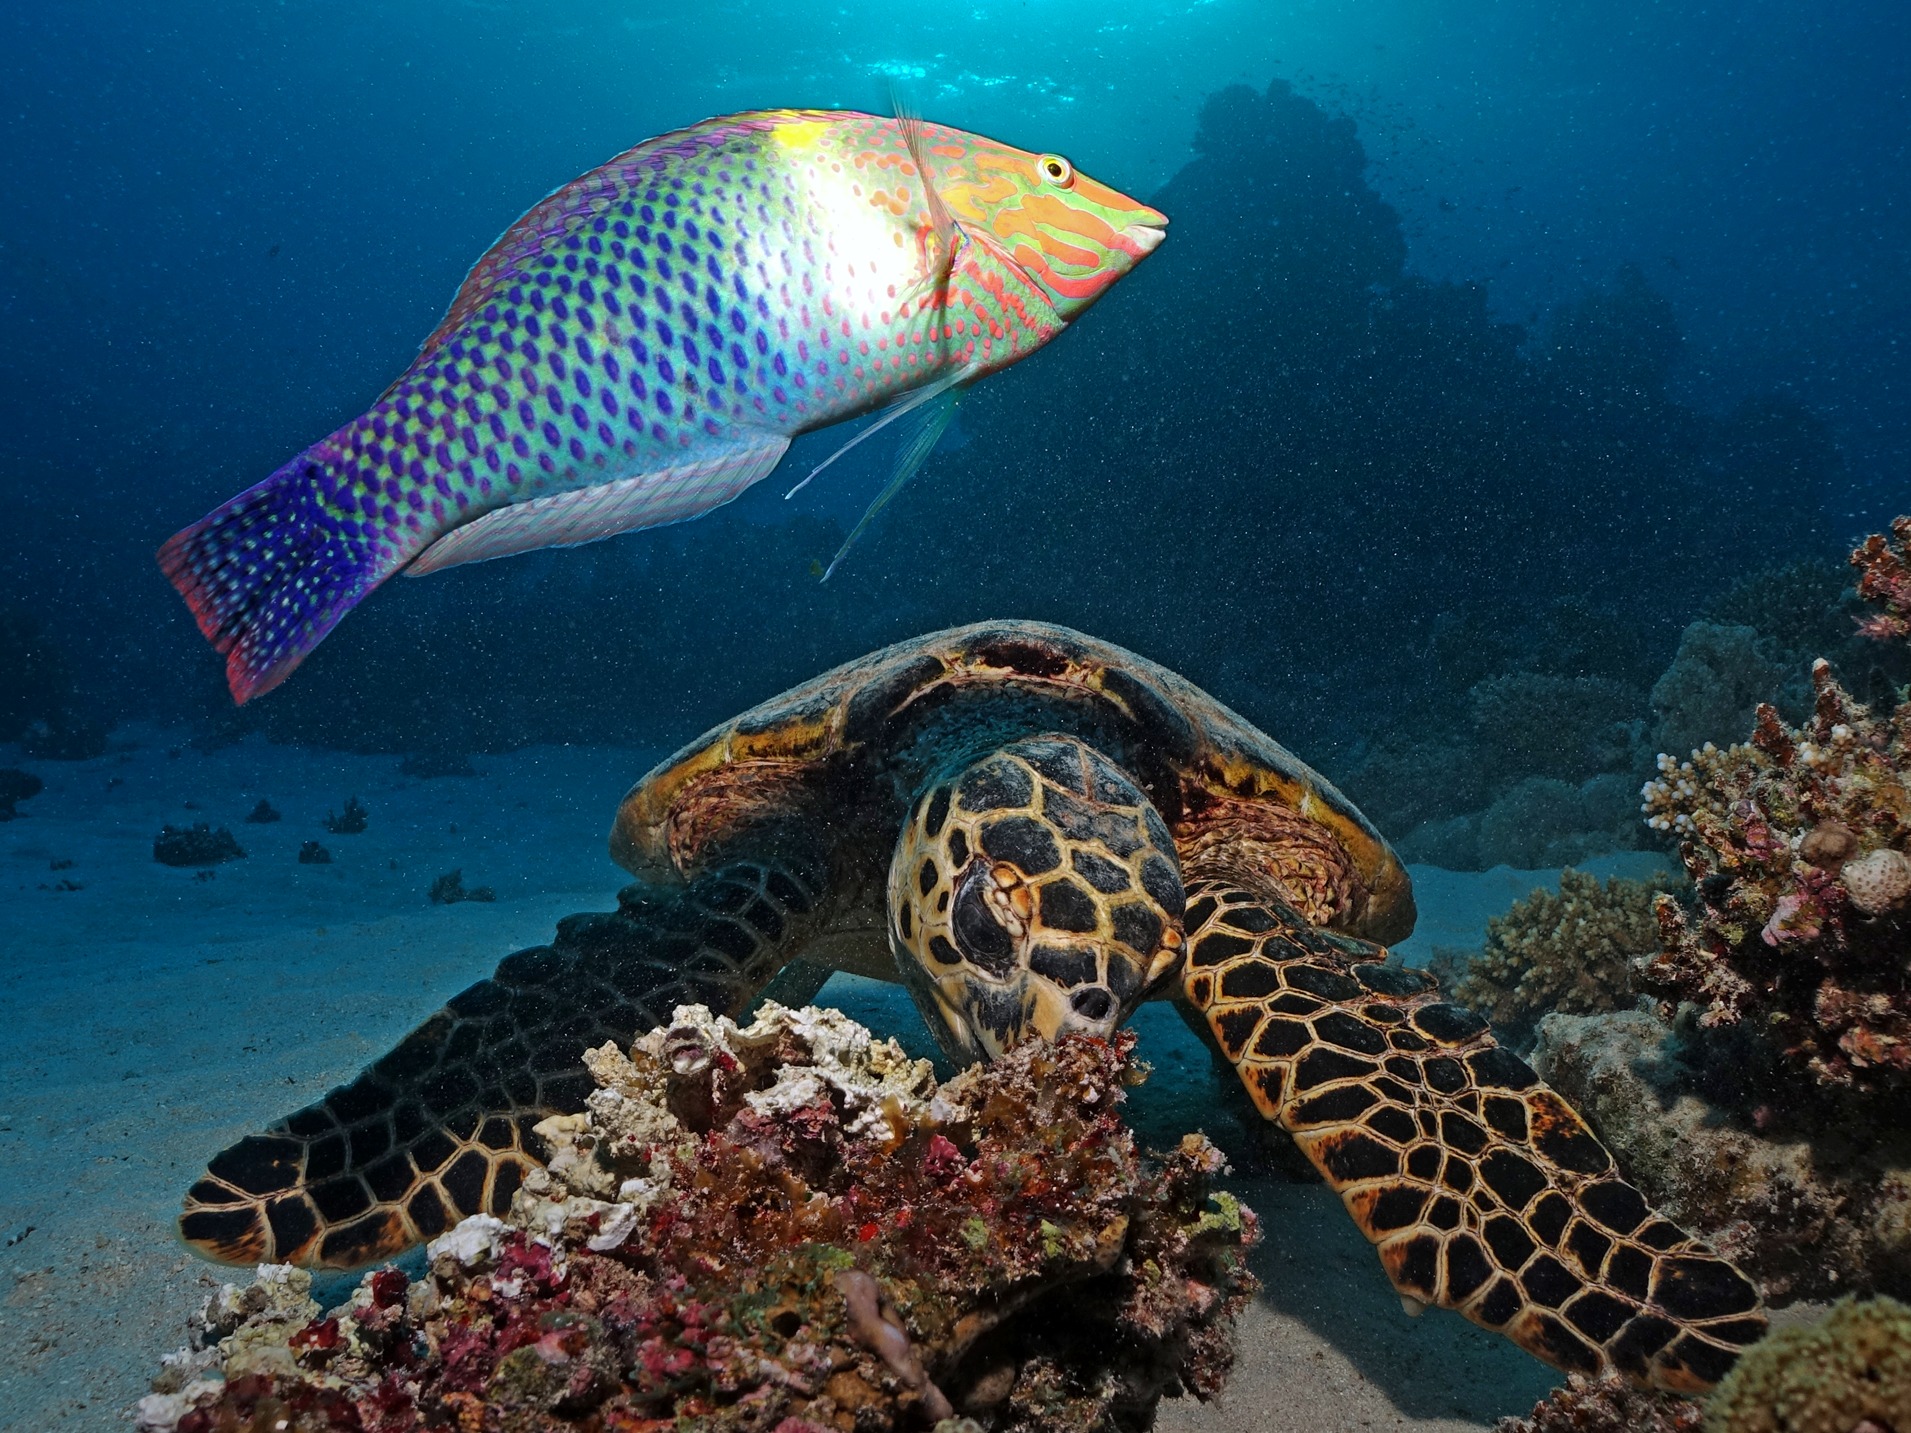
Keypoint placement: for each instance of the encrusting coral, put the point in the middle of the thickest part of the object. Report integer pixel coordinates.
(786, 1227)
(1570, 950)
(1794, 842)
(1848, 1373)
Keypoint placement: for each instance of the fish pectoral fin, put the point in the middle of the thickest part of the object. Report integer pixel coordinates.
(931, 421)
(650, 499)
(948, 231)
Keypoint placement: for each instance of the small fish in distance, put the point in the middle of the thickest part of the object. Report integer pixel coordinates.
(642, 346)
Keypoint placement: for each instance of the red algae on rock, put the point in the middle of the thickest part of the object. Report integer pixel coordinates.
(784, 1227)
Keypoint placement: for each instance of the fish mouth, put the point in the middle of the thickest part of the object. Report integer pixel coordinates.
(1146, 236)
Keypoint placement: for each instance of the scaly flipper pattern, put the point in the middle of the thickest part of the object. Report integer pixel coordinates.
(440, 1128)
(1481, 1188)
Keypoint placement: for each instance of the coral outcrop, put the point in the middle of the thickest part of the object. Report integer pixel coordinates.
(351, 822)
(1570, 951)
(196, 845)
(1811, 1200)
(789, 1227)
(1802, 926)
(449, 889)
(1849, 1373)
(1608, 1404)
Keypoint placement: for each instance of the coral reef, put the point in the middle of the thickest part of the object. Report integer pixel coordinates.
(449, 889)
(16, 786)
(313, 854)
(351, 822)
(1849, 1373)
(195, 845)
(1568, 728)
(1570, 951)
(1608, 1404)
(1802, 926)
(1810, 1199)
(264, 814)
(787, 1227)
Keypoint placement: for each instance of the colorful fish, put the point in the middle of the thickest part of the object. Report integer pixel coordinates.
(643, 345)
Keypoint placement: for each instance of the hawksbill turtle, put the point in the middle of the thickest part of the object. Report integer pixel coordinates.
(1035, 831)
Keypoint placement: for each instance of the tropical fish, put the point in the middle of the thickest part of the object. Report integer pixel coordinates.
(642, 346)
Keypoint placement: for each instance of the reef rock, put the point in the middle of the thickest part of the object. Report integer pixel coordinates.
(783, 1226)
(1815, 1208)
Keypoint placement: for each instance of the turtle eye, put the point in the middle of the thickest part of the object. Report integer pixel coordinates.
(1056, 170)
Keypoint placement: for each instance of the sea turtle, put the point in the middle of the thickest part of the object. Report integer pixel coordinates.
(1035, 831)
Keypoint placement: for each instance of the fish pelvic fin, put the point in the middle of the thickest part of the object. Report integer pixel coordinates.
(651, 499)
(929, 423)
(270, 573)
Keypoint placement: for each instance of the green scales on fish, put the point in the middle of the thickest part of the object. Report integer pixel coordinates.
(643, 345)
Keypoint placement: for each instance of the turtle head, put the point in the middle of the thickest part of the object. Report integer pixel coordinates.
(1034, 891)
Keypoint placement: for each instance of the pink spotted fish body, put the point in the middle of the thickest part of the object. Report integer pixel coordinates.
(642, 346)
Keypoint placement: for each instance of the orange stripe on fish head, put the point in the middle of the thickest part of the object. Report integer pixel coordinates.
(1071, 235)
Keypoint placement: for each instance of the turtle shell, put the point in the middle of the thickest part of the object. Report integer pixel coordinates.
(849, 750)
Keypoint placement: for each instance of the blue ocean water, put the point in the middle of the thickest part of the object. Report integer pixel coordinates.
(1489, 307)
(1503, 361)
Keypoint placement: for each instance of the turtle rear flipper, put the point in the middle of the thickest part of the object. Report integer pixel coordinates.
(1483, 1190)
(440, 1128)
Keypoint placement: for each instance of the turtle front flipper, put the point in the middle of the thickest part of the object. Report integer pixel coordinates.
(440, 1128)
(1482, 1189)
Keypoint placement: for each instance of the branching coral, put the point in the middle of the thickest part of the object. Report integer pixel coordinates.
(782, 1227)
(1847, 1373)
(1570, 950)
(1803, 921)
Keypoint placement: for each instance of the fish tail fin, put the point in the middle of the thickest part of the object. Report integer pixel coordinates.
(269, 573)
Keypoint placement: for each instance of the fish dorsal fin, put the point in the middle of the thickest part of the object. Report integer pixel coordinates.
(651, 499)
(584, 198)
(930, 423)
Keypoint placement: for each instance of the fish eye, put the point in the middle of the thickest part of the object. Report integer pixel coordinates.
(1056, 170)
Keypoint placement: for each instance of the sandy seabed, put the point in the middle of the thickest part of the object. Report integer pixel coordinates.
(152, 1015)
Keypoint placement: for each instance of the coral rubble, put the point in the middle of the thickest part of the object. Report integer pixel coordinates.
(1608, 1404)
(195, 845)
(16, 786)
(788, 1227)
(1811, 1201)
(1569, 951)
(1848, 1373)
